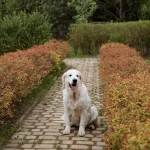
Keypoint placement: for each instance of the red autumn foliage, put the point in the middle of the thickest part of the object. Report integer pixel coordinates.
(120, 60)
(22, 71)
(126, 97)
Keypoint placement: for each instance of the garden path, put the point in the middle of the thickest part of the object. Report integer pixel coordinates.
(42, 128)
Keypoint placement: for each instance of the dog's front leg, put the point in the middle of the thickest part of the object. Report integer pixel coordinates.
(83, 122)
(67, 121)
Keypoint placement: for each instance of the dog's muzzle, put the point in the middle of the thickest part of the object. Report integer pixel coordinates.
(74, 84)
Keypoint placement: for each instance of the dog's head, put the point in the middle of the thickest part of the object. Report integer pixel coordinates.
(72, 79)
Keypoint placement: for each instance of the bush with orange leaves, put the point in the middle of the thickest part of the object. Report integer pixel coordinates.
(22, 71)
(126, 97)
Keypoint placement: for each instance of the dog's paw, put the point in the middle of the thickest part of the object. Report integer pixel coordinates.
(92, 127)
(67, 130)
(81, 131)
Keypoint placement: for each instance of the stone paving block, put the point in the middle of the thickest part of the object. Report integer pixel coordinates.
(63, 138)
(44, 121)
(53, 134)
(33, 141)
(35, 130)
(97, 132)
(44, 137)
(29, 149)
(79, 147)
(80, 139)
(13, 145)
(44, 146)
(50, 130)
(84, 142)
(37, 133)
(96, 139)
(100, 143)
(29, 126)
(26, 146)
(39, 124)
(50, 142)
(68, 142)
(30, 137)
(63, 146)
(89, 135)
(97, 148)
(11, 149)
(23, 133)
(41, 127)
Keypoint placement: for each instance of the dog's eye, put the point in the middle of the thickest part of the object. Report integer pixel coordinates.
(70, 75)
(77, 75)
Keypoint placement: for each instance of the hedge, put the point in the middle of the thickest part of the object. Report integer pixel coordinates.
(22, 71)
(22, 31)
(89, 37)
(126, 97)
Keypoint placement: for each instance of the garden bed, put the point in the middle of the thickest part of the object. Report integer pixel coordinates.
(126, 97)
(22, 71)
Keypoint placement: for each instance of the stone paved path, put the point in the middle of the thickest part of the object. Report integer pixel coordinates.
(42, 128)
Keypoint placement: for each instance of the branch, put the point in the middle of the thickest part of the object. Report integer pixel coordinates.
(109, 12)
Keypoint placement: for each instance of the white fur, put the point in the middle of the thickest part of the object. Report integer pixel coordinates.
(77, 103)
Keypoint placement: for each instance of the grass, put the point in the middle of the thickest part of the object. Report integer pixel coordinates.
(79, 54)
(8, 128)
(148, 60)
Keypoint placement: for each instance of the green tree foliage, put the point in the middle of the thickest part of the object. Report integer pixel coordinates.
(114, 8)
(131, 9)
(30, 6)
(22, 30)
(121, 10)
(145, 10)
(84, 9)
(59, 15)
(8, 7)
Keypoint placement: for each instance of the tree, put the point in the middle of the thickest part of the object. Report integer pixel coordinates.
(8, 7)
(131, 10)
(144, 11)
(59, 15)
(23, 30)
(84, 9)
(30, 6)
(121, 10)
(113, 8)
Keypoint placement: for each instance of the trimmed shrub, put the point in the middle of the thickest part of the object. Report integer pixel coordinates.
(120, 61)
(126, 97)
(22, 71)
(21, 31)
(89, 37)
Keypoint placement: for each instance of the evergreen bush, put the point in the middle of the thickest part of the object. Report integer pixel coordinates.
(21, 31)
(89, 37)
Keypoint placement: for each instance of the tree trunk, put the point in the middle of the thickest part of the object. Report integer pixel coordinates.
(120, 9)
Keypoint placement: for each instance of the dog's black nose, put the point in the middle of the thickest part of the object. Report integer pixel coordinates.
(75, 80)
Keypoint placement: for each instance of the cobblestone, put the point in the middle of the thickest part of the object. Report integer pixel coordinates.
(42, 128)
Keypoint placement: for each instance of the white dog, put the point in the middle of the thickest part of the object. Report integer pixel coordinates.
(77, 103)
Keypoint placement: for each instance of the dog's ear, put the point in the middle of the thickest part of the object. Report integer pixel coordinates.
(63, 79)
